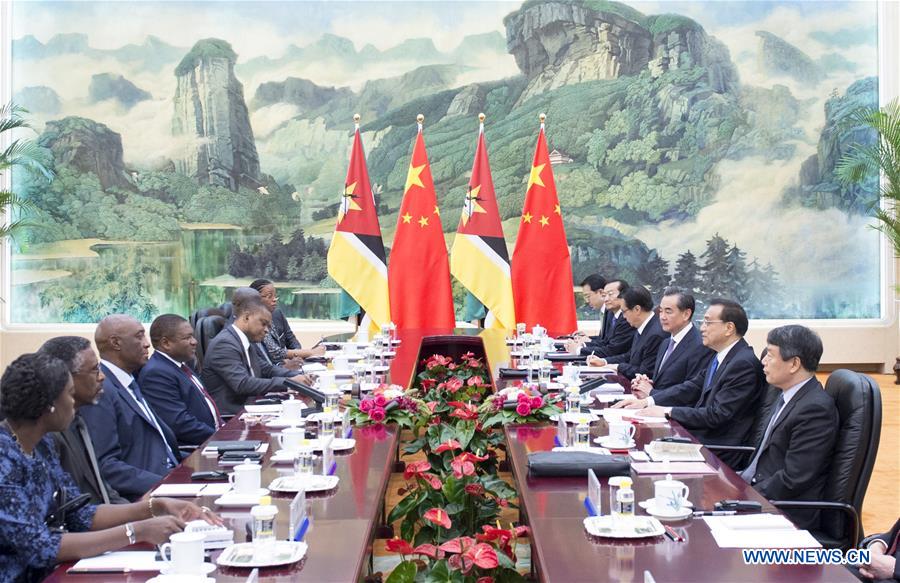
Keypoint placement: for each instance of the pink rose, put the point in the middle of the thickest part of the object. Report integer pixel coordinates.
(366, 405)
(376, 414)
(523, 409)
(522, 397)
(536, 402)
(380, 401)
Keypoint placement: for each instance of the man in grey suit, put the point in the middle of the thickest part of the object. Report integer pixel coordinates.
(76, 450)
(232, 370)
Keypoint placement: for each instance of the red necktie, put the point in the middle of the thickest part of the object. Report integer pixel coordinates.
(187, 370)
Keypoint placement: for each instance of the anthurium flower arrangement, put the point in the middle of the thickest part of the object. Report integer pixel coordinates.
(489, 557)
(519, 404)
(390, 404)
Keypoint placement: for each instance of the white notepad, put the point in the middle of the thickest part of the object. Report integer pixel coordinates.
(758, 531)
(120, 560)
(191, 490)
(672, 468)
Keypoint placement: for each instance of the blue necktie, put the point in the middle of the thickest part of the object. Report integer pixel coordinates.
(711, 372)
(137, 393)
(749, 473)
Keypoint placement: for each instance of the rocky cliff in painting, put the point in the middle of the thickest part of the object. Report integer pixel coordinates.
(87, 146)
(779, 57)
(116, 87)
(565, 43)
(211, 115)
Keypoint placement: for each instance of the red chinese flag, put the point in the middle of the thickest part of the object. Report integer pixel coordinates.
(418, 272)
(541, 268)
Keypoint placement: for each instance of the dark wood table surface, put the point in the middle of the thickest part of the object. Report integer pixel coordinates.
(562, 550)
(342, 522)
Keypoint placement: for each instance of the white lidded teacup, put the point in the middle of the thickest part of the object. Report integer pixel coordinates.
(291, 438)
(292, 409)
(183, 554)
(246, 478)
(670, 495)
(620, 432)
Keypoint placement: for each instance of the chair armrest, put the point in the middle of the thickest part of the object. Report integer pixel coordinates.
(187, 448)
(849, 511)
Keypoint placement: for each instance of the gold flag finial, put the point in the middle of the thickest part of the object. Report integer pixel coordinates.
(542, 117)
(420, 118)
(481, 117)
(356, 118)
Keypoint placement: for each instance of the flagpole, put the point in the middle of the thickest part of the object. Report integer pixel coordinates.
(480, 123)
(420, 120)
(542, 117)
(356, 118)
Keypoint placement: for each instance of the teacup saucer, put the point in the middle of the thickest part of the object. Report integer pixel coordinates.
(241, 500)
(178, 578)
(665, 512)
(281, 422)
(169, 570)
(608, 443)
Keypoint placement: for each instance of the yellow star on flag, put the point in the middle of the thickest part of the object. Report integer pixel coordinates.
(347, 202)
(423, 221)
(535, 177)
(437, 211)
(557, 210)
(544, 221)
(406, 218)
(413, 177)
(527, 217)
(472, 205)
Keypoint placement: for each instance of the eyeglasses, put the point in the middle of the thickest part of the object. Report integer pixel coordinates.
(705, 322)
(91, 372)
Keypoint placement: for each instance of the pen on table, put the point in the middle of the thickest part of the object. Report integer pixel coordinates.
(97, 570)
(672, 534)
(317, 344)
(715, 512)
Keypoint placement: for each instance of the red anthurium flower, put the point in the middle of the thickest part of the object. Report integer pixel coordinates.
(463, 465)
(432, 480)
(431, 405)
(464, 410)
(427, 550)
(485, 580)
(483, 555)
(475, 381)
(448, 445)
(458, 544)
(474, 489)
(521, 531)
(454, 384)
(501, 535)
(398, 545)
(428, 384)
(414, 469)
(438, 517)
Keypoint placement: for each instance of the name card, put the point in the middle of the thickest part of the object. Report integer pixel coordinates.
(562, 431)
(297, 516)
(327, 457)
(594, 492)
(346, 428)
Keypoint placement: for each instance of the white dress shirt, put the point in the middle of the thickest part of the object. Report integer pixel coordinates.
(246, 344)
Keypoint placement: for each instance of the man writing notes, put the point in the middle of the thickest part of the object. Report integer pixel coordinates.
(594, 298)
(682, 355)
(232, 370)
(641, 357)
(135, 448)
(719, 405)
(794, 453)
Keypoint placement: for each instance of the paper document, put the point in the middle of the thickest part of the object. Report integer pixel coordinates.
(672, 468)
(669, 451)
(612, 398)
(263, 409)
(121, 560)
(178, 490)
(314, 367)
(217, 489)
(758, 531)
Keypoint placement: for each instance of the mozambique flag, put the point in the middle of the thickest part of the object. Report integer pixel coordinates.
(356, 257)
(478, 258)
(541, 267)
(419, 274)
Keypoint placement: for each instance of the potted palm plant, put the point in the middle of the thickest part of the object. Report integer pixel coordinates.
(880, 158)
(22, 152)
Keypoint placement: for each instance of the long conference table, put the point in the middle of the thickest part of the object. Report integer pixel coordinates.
(343, 523)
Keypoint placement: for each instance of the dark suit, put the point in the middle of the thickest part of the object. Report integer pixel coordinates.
(227, 375)
(131, 452)
(274, 368)
(793, 463)
(641, 357)
(892, 550)
(176, 400)
(723, 412)
(617, 339)
(74, 459)
(689, 358)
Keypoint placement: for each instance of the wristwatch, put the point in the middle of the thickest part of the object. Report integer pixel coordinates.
(129, 532)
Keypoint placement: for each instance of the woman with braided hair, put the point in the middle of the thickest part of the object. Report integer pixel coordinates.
(41, 522)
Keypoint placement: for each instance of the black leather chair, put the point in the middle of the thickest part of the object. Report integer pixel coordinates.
(858, 401)
(205, 330)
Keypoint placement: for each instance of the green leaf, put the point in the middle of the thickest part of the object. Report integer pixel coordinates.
(405, 572)
(454, 491)
(405, 506)
(441, 573)
(408, 528)
(505, 561)
(465, 431)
